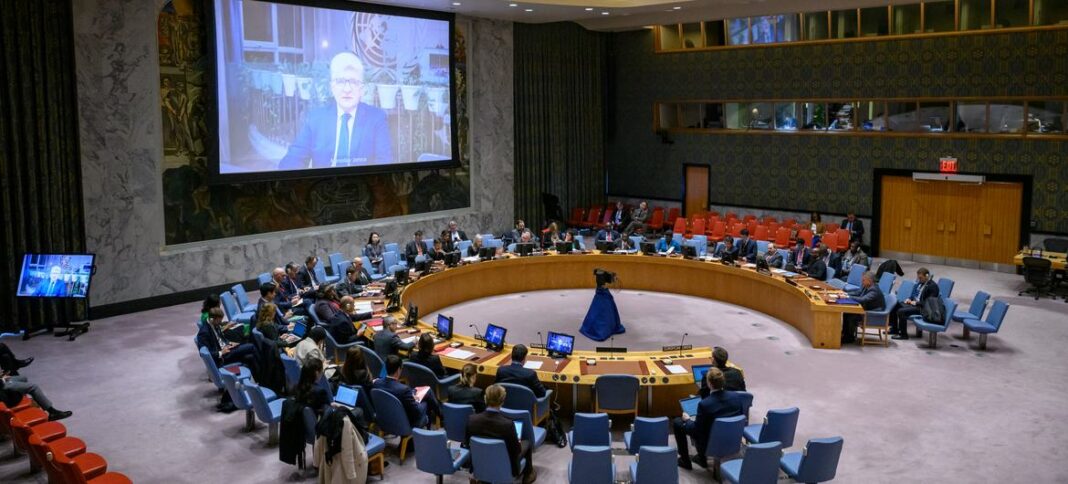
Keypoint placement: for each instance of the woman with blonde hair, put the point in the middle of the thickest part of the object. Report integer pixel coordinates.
(465, 392)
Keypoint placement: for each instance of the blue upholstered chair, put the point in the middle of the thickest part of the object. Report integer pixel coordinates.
(975, 310)
(391, 418)
(878, 320)
(338, 349)
(320, 273)
(433, 455)
(394, 268)
(376, 447)
(490, 461)
(886, 282)
(830, 275)
(462, 247)
(747, 403)
(390, 259)
(989, 326)
(531, 433)
(785, 257)
(239, 397)
(762, 247)
(945, 287)
(700, 242)
(616, 394)
(852, 283)
(593, 429)
(510, 248)
(314, 317)
(455, 420)
(263, 278)
(817, 462)
(429, 244)
(341, 267)
(635, 243)
(214, 371)
(519, 397)
(487, 237)
(934, 328)
(267, 406)
(905, 289)
(591, 464)
(779, 425)
(725, 440)
(647, 431)
(374, 362)
(308, 415)
(292, 368)
(333, 259)
(233, 311)
(375, 275)
(418, 375)
(655, 465)
(759, 466)
(495, 243)
(241, 297)
(392, 247)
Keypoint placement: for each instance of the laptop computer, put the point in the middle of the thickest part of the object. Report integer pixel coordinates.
(689, 405)
(699, 372)
(346, 395)
(299, 329)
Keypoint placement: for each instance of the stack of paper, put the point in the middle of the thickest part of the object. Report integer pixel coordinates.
(676, 369)
(533, 364)
(364, 307)
(458, 354)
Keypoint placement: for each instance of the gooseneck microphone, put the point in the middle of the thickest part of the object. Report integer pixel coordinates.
(684, 335)
(612, 345)
(478, 336)
(544, 350)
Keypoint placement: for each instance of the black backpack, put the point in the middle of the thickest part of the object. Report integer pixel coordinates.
(554, 431)
(934, 310)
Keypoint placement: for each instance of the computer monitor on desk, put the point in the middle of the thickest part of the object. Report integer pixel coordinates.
(452, 259)
(564, 247)
(559, 345)
(444, 327)
(524, 249)
(648, 248)
(494, 337)
(487, 253)
(689, 252)
(605, 246)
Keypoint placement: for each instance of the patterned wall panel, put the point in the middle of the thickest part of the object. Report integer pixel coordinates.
(195, 210)
(826, 172)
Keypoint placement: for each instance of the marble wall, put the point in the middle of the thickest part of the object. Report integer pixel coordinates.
(121, 144)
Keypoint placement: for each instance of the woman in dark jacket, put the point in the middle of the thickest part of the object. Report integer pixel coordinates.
(309, 392)
(424, 355)
(465, 392)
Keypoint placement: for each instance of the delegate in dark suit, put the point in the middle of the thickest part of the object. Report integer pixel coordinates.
(871, 299)
(491, 424)
(208, 337)
(412, 249)
(306, 278)
(515, 373)
(718, 404)
(747, 249)
(51, 288)
(279, 319)
(799, 259)
(369, 142)
(817, 269)
(431, 361)
(855, 228)
(388, 343)
(465, 395)
(905, 311)
(416, 411)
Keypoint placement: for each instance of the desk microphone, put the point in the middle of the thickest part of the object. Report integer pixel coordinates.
(684, 335)
(544, 350)
(612, 345)
(478, 336)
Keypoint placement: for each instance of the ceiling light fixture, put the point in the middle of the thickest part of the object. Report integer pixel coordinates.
(455, 4)
(677, 8)
(604, 13)
(513, 4)
(530, 10)
(589, 9)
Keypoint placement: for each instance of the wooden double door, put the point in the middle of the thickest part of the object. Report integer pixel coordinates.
(960, 221)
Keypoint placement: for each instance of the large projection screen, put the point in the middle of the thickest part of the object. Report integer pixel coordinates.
(332, 89)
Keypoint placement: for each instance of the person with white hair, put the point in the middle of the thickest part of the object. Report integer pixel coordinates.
(346, 132)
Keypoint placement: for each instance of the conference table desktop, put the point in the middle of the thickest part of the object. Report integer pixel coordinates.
(1057, 259)
(808, 305)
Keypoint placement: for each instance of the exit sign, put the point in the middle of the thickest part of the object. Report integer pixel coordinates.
(947, 165)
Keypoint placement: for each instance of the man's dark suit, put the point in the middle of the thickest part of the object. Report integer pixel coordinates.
(492, 424)
(747, 248)
(388, 343)
(794, 261)
(905, 311)
(718, 404)
(602, 236)
(461, 233)
(306, 278)
(774, 259)
(207, 337)
(816, 269)
(733, 382)
(346, 288)
(871, 299)
(856, 230)
(621, 218)
(416, 411)
(412, 249)
(515, 373)
(369, 144)
(51, 288)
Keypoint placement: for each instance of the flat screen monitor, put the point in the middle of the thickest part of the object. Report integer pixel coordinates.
(338, 88)
(400, 276)
(524, 249)
(56, 275)
(452, 259)
(487, 253)
(413, 315)
(444, 326)
(689, 252)
(564, 247)
(560, 344)
(699, 372)
(495, 337)
(605, 246)
(648, 248)
(347, 395)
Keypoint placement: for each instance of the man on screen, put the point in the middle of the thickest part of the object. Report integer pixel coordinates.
(54, 286)
(346, 132)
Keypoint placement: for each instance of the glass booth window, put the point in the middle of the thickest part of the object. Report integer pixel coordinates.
(906, 19)
(788, 28)
(739, 30)
(869, 115)
(874, 21)
(934, 117)
(816, 26)
(975, 14)
(1011, 13)
(1006, 117)
(690, 116)
(714, 36)
(762, 30)
(1046, 117)
(971, 117)
(786, 117)
(903, 117)
(938, 16)
(811, 116)
(691, 36)
(843, 24)
(669, 37)
(668, 116)
(713, 114)
(1051, 12)
(840, 116)
(749, 115)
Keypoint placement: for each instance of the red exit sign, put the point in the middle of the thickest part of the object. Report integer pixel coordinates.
(947, 165)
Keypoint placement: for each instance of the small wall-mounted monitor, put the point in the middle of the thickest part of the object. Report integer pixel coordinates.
(494, 337)
(444, 326)
(56, 275)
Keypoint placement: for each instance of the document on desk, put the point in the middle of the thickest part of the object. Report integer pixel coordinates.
(471, 259)
(459, 354)
(409, 339)
(676, 369)
(364, 307)
(533, 364)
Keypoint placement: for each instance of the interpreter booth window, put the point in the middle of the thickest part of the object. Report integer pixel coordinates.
(714, 34)
(975, 15)
(934, 117)
(1006, 117)
(875, 21)
(869, 115)
(748, 116)
(840, 116)
(906, 19)
(1051, 12)
(762, 30)
(788, 28)
(713, 116)
(971, 117)
(669, 37)
(690, 116)
(811, 116)
(1046, 117)
(816, 26)
(844, 24)
(939, 16)
(786, 117)
(691, 36)
(668, 116)
(738, 28)
(1012, 13)
(903, 117)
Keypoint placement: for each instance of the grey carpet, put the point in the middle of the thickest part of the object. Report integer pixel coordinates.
(908, 414)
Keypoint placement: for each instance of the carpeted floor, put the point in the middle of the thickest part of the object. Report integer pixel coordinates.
(907, 413)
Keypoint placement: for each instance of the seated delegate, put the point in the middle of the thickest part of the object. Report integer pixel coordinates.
(517, 374)
(719, 403)
(424, 355)
(419, 413)
(464, 392)
(668, 245)
(492, 424)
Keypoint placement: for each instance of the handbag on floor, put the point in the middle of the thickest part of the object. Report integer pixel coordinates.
(934, 310)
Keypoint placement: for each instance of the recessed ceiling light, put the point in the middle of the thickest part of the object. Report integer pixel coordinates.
(455, 4)
(530, 10)
(604, 13)
(589, 9)
(513, 4)
(676, 8)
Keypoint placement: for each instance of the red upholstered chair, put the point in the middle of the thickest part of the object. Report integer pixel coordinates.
(830, 239)
(831, 227)
(768, 220)
(39, 451)
(680, 226)
(719, 230)
(673, 213)
(578, 215)
(806, 235)
(713, 213)
(736, 229)
(731, 215)
(789, 223)
(751, 224)
(29, 415)
(5, 414)
(749, 217)
(592, 217)
(843, 239)
(773, 228)
(761, 233)
(606, 220)
(48, 432)
(698, 227)
(87, 468)
(656, 220)
(782, 237)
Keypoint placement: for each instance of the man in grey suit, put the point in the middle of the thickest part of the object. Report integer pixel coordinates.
(637, 218)
(387, 342)
(870, 298)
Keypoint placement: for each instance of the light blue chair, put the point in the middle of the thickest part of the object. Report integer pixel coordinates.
(519, 397)
(390, 259)
(698, 242)
(239, 398)
(320, 273)
(391, 418)
(511, 248)
(830, 276)
(581, 242)
(762, 247)
(214, 371)
(341, 267)
(233, 311)
(724, 440)
(760, 465)
(338, 349)
(616, 394)
(655, 465)
(531, 433)
(817, 462)
(779, 425)
(878, 320)
(490, 461)
(462, 246)
(455, 420)
(433, 455)
(747, 403)
(241, 297)
(314, 317)
(945, 287)
(487, 237)
(374, 362)
(989, 326)
(333, 259)
(785, 257)
(375, 275)
(591, 464)
(975, 310)
(310, 420)
(263, 278)
(934, 328)
(495, 243)
(292, 368)
(647, 431)
(429, 244)
(418, 376)
(905, 290)
(376, 447)
(268, 408)
(394, 268)
(635, 243)
(852, 283)
(886, 282)
(590, 429)
(392, 247)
